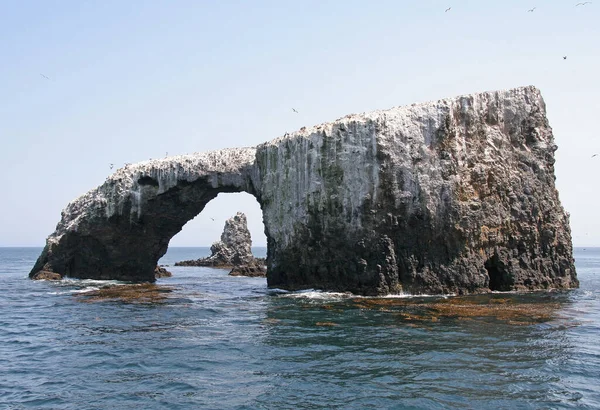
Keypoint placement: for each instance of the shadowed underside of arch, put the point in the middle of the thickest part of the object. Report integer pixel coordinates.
(413, 199)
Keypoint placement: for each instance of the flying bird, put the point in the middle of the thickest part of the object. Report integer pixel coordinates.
(583, 4)
(448, 9)
(531, 10)
(43, 76)
(212, 218)
(293, 109)
(111, 166)
(594, 155)
(564, 57)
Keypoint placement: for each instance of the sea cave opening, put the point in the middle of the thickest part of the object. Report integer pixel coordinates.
(500, 279)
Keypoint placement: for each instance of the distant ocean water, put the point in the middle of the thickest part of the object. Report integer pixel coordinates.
(203, 339)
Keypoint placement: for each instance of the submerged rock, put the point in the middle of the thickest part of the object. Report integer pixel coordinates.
(510, 309)
(145, 293)
(453, 196)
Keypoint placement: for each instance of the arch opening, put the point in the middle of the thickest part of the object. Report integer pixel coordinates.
(196, 238)
(206, 227)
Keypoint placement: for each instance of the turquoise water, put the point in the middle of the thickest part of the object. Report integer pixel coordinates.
(202, 339)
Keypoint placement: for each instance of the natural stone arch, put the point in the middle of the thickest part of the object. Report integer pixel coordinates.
(412, 199)
(122, 228)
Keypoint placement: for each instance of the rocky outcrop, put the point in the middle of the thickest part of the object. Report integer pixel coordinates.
(234, 248)
(233, 251)
(453, 196)
(255, 269)
(161, 272)
(46, 275)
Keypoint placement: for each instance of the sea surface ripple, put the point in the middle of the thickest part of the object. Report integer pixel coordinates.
(203, 339)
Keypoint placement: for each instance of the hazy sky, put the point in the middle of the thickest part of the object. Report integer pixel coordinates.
(133, 80)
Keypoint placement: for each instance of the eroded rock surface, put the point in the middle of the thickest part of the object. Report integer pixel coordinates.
(453, 196)
(255, 269)
(161, 272)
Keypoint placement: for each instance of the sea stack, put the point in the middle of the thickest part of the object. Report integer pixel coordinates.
(233, 251)
(453, 196)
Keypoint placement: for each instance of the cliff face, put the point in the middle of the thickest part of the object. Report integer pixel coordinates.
(454, 196)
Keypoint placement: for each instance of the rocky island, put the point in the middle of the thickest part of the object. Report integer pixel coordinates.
(452, 196)
(233, 251)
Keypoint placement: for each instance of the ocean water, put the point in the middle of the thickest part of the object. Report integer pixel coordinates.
(204, 340)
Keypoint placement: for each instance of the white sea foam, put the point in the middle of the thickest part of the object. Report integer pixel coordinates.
(68, 286)
(411, 295)
(276, 291)
(84, 290)
(74, 291)
(324, 295)
(317, 295)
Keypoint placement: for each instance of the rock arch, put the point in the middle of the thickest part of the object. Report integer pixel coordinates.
(412, 199)
(120, 229)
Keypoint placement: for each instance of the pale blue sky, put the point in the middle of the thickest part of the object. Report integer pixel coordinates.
(132, 80)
